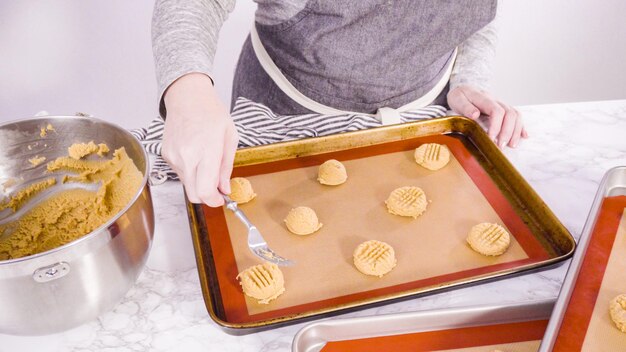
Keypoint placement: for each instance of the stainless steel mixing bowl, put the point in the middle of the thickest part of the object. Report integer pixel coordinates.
(72, 284)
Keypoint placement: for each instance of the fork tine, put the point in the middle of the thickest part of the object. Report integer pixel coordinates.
(256, 242)
(259, 246)
(269, 255)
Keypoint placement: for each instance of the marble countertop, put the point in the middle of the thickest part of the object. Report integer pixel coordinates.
(570, 149)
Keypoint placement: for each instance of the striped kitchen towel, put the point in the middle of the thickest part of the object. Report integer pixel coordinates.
(257, 125)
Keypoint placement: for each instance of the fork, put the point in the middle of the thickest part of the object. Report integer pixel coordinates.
(256, 242)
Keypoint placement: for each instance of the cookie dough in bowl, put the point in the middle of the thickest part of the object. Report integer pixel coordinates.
(69, 214)
(92, 216)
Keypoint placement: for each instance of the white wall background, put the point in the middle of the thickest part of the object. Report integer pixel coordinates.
(95, 56)
(561, 51)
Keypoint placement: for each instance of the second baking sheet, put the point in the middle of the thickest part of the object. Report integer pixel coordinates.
(431, 250)
(587, 325)
(508, 327)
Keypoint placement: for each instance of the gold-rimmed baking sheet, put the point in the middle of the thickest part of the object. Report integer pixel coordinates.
(431, 250)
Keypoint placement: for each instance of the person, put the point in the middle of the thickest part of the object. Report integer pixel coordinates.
(303, 56)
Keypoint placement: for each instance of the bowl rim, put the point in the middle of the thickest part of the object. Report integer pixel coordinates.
(102, 228)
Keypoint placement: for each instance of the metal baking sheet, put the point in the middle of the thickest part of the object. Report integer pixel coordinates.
(313, 337)
(613, 184)
(524, 204)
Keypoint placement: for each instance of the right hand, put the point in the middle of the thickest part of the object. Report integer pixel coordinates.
(505, 122)
(199, 139)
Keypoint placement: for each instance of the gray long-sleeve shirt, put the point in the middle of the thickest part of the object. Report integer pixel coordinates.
(185, 34)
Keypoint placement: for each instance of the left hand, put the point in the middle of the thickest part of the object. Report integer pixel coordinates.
(505, 122)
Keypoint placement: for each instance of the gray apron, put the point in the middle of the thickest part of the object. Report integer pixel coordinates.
(357, 55)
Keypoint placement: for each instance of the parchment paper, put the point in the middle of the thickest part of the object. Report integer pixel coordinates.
(429, 246)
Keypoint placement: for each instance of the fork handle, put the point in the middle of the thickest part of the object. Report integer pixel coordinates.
(232, 206)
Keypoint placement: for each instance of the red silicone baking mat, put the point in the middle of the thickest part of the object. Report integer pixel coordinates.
(519, 337)
(431, 250)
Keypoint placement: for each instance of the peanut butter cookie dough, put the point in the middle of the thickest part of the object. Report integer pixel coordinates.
(37, 160)
(264, 282)
(489, 239)
(16, 201)
(43, 132)
(374, 258)
(432, 156)
(80, 150)
(73, 213)
(302, 221)
(617, 310)
(241, 190)
(407, 201)
(332, 173)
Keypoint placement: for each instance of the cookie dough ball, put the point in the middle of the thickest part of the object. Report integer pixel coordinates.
(374, 258)
(332, 173)
(407, 201)
(432, 156)
(264, 282)
(302, 221)
(617, 309)
(241, 190)
(489, 239)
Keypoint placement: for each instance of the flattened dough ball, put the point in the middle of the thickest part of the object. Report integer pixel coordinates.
(332, 173)
(489, 239)
(241, 190)
(264, 282)
(302, 221)
(432, 156)
(617, 310)
(407, 201)
(374, 258)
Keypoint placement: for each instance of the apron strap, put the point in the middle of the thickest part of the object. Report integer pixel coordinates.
(386, 115)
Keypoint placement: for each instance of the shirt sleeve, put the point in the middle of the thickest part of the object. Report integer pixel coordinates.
(184, 38)
(474, 61)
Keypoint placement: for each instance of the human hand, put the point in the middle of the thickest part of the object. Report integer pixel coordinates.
(505, 122)
(199, 139)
